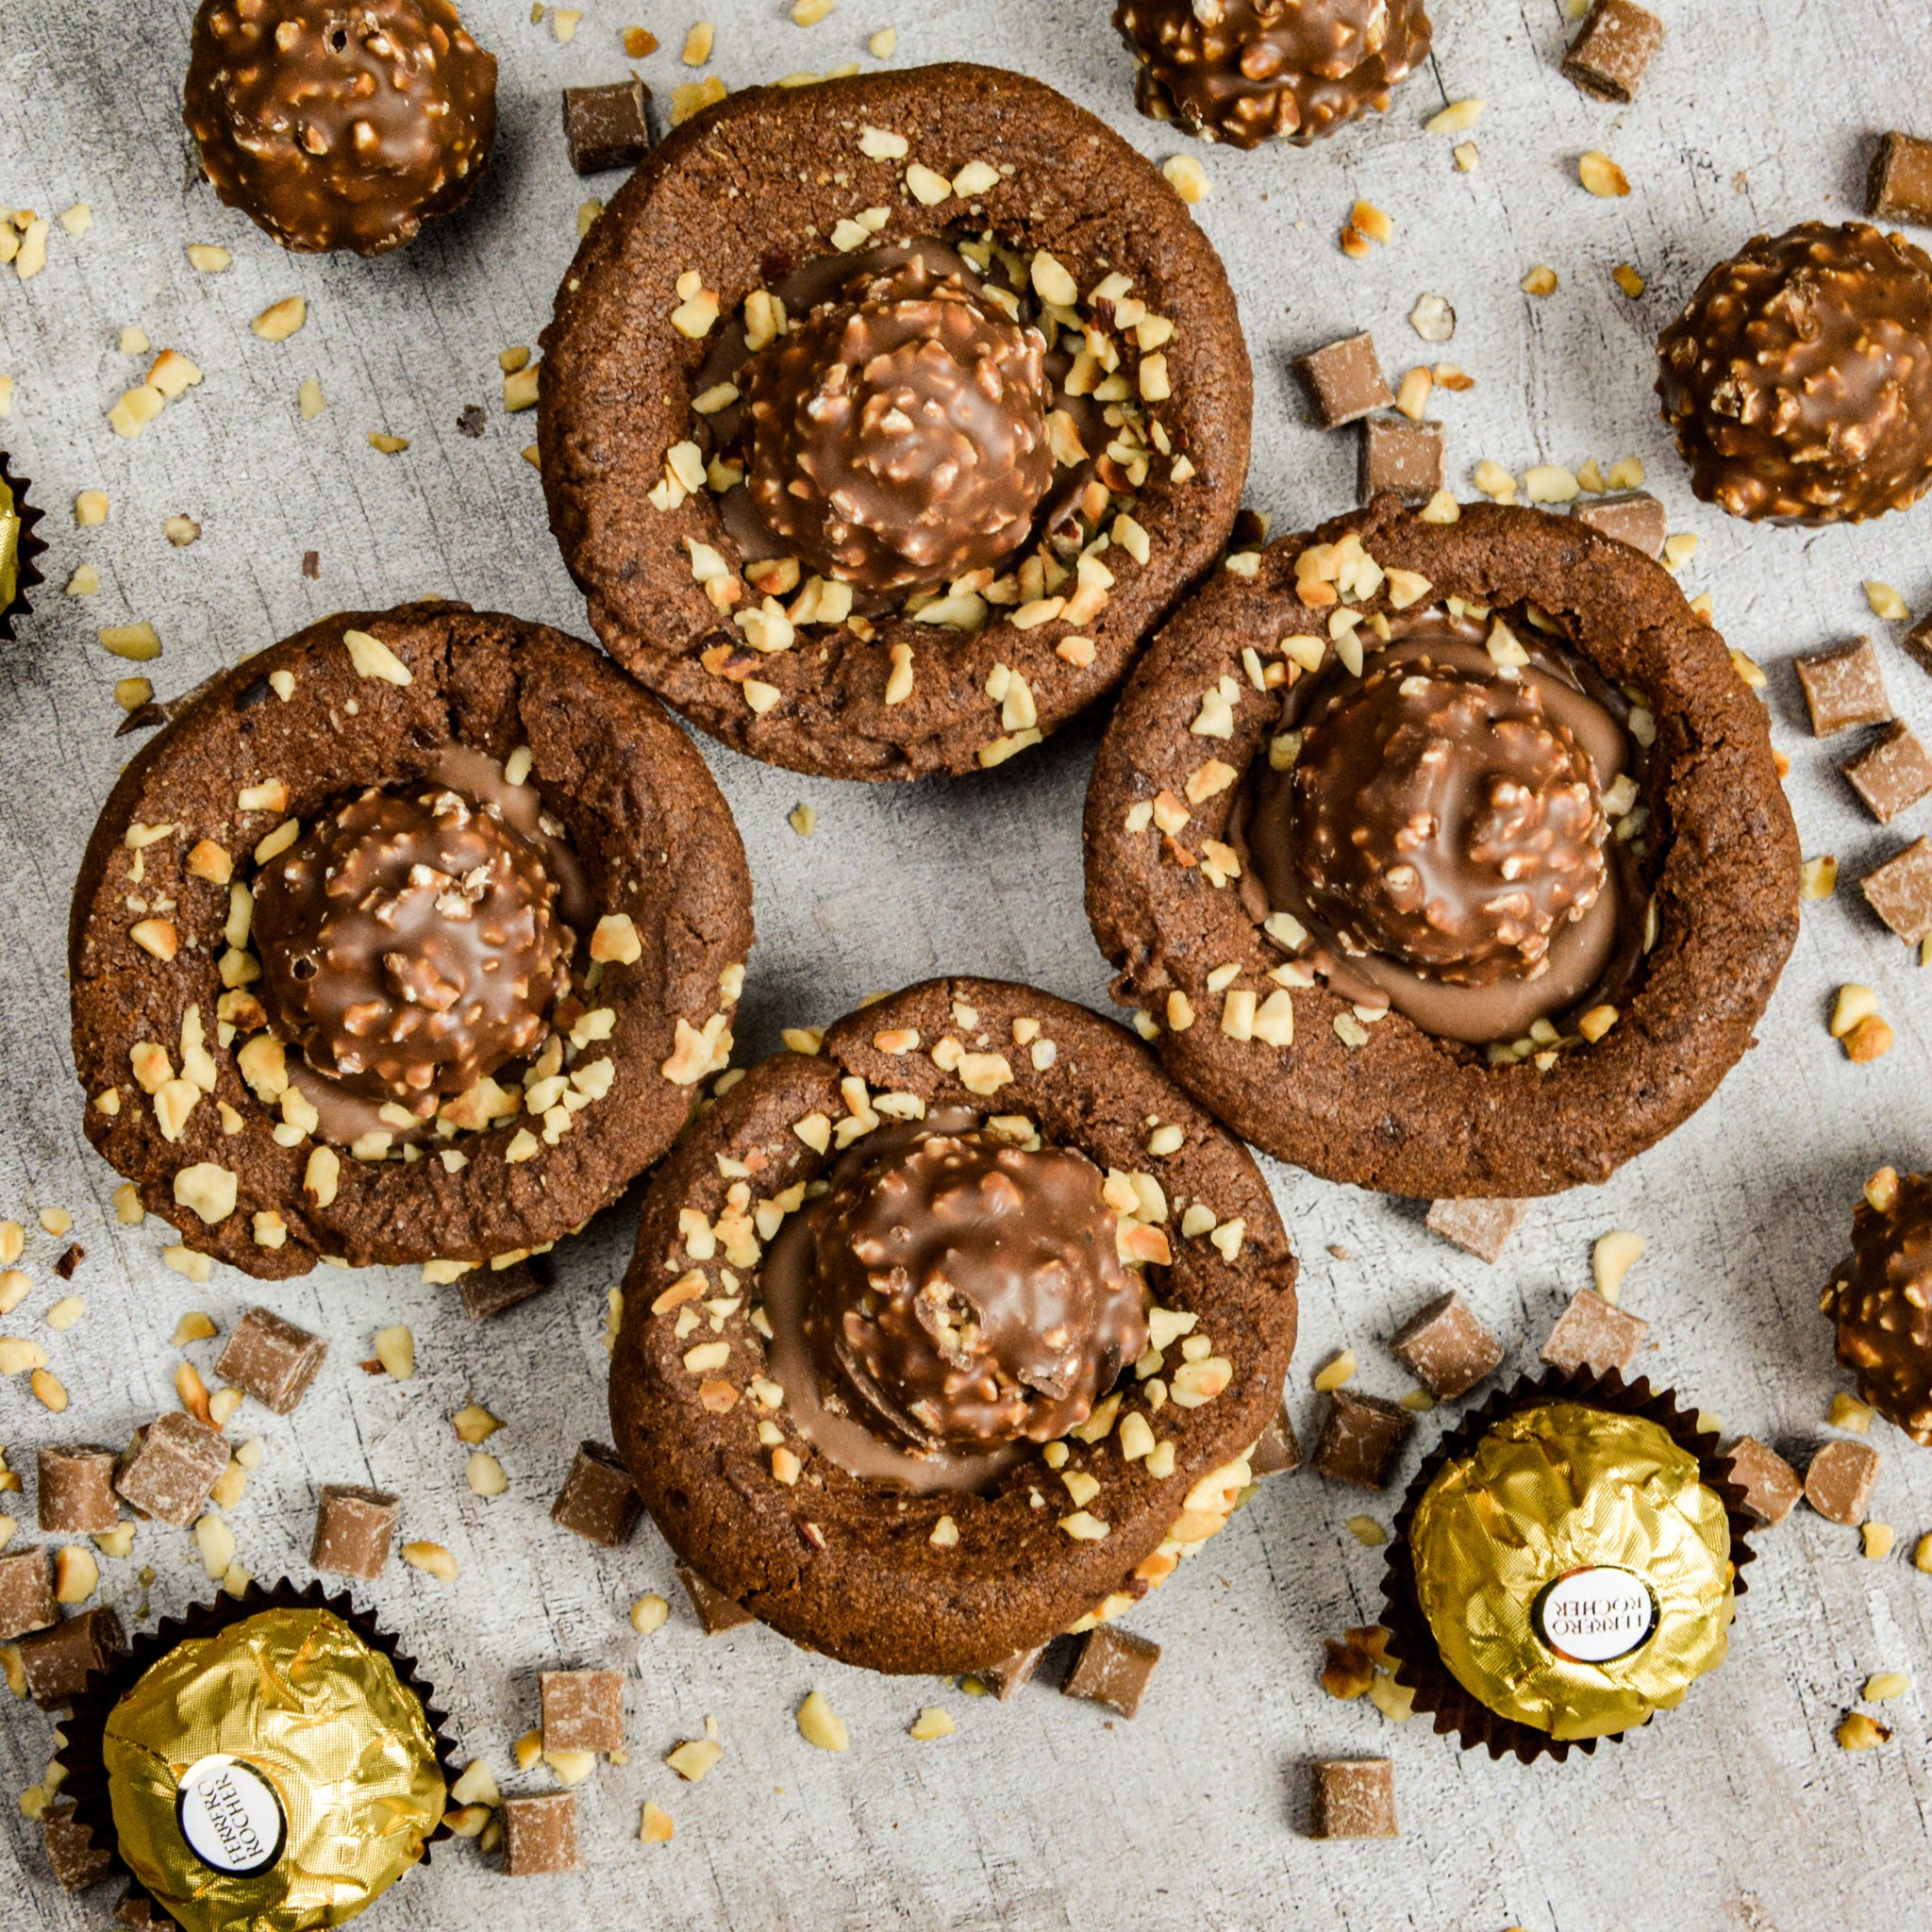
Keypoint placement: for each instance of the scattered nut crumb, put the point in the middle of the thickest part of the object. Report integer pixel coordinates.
(821, 1725)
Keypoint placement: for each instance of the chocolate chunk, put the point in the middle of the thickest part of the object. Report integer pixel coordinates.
(1838, 1482)
(1113, 1669)
(1401, 456)
(598, 1500)
(1361, 1437)
(340, 127)
(77, 1489)
(606, 127)
(311, 563)
(271, 1359)
(1900, 188)
(1353, 1797)
(712, 1608)
(1843, 687)
(1594, 1334)
(1892, 773)
(540, 1834)
(1002, 1680)
(1277, 1452)
(1022, 1238)
(1249, 71)
(898, 435)
(1796, 378)
(26, 1592)
(1631, 516)
(583, 1710)
(1447, 1348)
(1343, 380)
(58, 1659)
(136, 1910)
(1876, 1300)
(68, 1266)
(77, 1862)
(1614, 46)
(1481, 1228)
(1918, 643)
(1771, 1485)
(1900, 891)
(353, 1529)
(410, 943)
(174, 1464)
(489, 1290)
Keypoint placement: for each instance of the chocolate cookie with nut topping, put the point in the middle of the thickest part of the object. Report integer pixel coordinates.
(1447, 857)
(916, 448)
(1879, 1299)
(952, 1333)
(410, 940)
(339, 127)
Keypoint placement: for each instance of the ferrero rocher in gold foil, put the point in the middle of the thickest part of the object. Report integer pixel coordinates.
(1575, 1569)
(276, 1776)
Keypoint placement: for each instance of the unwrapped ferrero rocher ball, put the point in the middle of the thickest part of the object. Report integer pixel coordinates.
(334, 126)
(1798, 378)
(1880, 1295)
(1249, 71)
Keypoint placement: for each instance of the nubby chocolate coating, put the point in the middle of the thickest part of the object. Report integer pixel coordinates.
(334, 126)
(898, 437)
(968, 1293)
(1246, 71)
(1798, 378)
(1440, 817)
(1878, 1298)
(409, 945)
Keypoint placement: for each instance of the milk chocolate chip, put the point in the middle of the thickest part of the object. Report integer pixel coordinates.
(1799, 377)
(1442, 819)
(335, 126)
(409, 945)
(1245, 71)
(968, 1293)
(898, 435)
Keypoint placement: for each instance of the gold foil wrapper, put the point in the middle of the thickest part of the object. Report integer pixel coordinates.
(1575, 1569)
(9, 547)
(276, 1777)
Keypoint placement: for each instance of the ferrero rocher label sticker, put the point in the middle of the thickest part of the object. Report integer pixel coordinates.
(276, 1776)
(229, 1816)
(1596, 1614)
(1575, 1569)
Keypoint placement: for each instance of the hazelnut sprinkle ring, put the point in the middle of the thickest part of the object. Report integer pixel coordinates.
(851, 166)
(873, 1572)
(1389, 1106)
(194, 1096)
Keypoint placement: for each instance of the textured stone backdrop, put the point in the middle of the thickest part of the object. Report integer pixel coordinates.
(1737, 1811)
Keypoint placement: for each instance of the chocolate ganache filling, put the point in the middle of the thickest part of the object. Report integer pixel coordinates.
(951, 1299)
(1437, 833)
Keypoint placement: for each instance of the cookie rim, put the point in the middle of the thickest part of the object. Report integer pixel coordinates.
(598, 462)
(1490, 1132)
(373, 1221)
(706, 1478)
